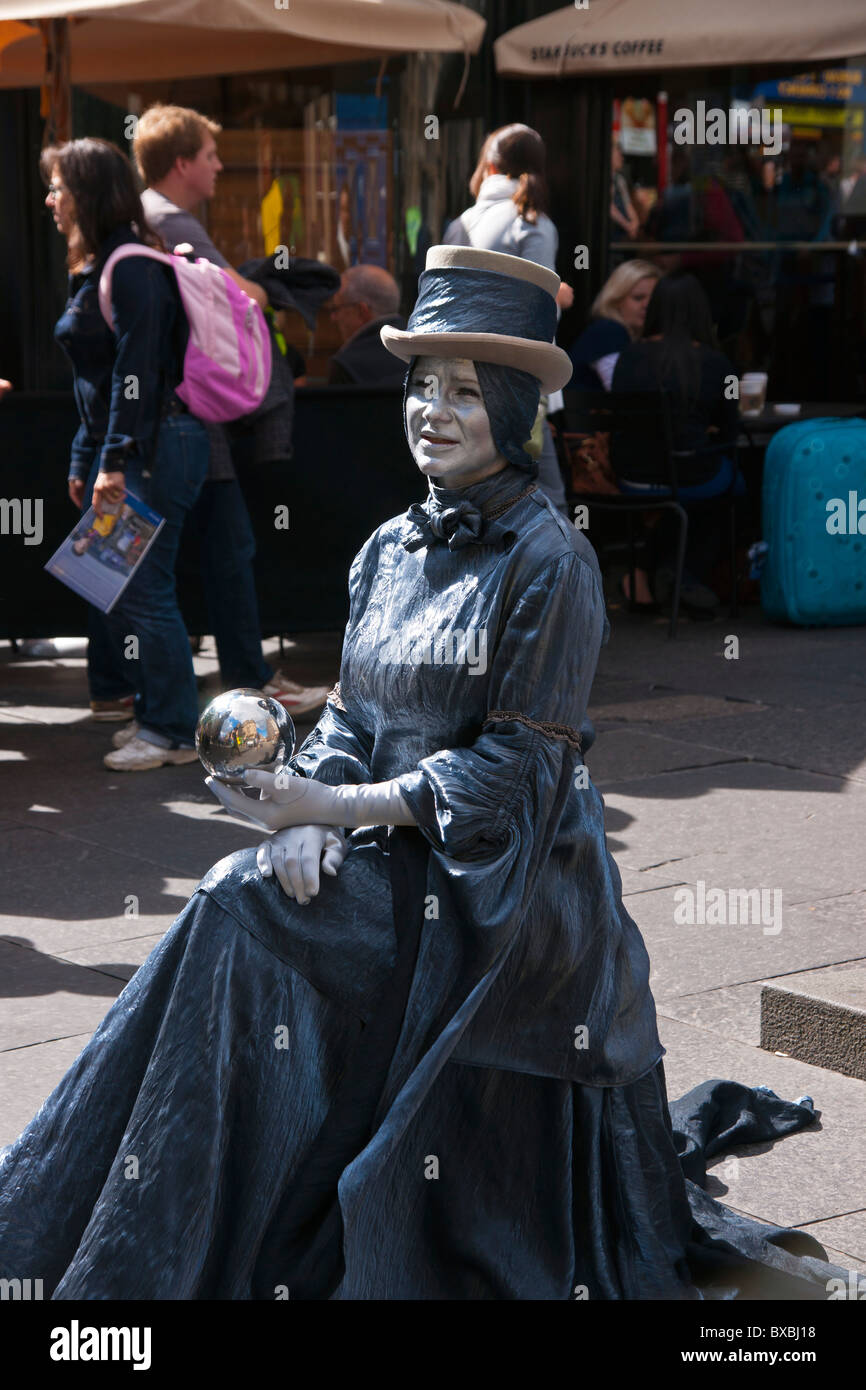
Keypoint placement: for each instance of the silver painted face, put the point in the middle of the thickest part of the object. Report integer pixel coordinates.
(243, 729)
(447, 423)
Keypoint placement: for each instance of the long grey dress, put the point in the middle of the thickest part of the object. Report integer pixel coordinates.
(521, 1145)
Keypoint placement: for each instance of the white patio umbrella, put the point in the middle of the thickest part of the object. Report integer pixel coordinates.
(634, 35)
(137, 40)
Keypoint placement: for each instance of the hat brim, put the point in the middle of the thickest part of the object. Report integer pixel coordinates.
(549, 364)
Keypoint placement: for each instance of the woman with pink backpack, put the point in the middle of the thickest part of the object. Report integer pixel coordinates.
(136, 435)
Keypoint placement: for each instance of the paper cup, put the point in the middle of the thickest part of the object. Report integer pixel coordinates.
(753, 392)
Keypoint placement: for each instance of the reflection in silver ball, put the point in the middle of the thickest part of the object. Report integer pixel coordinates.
(244, 729)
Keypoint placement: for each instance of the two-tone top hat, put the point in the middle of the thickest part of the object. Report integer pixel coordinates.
(488, 307)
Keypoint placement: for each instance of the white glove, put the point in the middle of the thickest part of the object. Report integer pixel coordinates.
(295, 854)
(287, 799)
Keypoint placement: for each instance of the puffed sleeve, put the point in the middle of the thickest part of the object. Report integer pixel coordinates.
(337, 751)
(339, 748)
(497, 803)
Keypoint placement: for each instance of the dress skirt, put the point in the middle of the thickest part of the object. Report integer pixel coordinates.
(154, 1169)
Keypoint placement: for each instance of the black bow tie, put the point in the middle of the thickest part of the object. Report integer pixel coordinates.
(462, 524)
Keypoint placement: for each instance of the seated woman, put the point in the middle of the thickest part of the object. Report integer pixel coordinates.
(678, 354)
(617, 320)
(417, 1061)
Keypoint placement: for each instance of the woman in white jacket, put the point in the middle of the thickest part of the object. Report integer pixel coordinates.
(509, 186)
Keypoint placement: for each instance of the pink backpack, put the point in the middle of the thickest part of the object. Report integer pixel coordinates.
(227, 363)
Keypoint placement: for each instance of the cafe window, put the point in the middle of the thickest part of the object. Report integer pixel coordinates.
(308, 164)
(324, 189)
(335, 164)
(756, 184)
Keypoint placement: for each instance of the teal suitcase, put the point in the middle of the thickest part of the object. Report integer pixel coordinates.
(814, 523)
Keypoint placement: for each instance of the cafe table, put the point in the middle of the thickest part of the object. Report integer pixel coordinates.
(756, 430)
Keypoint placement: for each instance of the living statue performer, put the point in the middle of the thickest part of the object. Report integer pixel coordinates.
(407, 1049)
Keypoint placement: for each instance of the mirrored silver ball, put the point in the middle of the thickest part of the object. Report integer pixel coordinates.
(244, 729)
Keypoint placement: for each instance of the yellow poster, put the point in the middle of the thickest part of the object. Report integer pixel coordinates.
(272, 218)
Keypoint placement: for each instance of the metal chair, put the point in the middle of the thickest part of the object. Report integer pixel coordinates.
(640, 427)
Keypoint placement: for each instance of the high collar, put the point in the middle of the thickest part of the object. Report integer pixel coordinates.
(508, 482)
(496, 188)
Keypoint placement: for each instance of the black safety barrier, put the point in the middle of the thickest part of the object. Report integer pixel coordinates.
(351, 470)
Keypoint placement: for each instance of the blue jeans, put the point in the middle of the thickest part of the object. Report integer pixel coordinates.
(166, 697)
(227, 548)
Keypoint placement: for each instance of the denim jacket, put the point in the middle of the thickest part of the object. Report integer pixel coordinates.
(121, 378)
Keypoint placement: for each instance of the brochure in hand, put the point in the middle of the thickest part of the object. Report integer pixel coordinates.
(102, 553)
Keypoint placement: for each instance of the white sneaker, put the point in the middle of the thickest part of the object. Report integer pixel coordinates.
(122, 737)
(297, 699)
(138, 755)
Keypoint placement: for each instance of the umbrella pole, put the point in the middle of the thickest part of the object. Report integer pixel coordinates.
(55, 105)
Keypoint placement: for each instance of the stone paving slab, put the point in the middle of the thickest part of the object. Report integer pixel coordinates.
(106, 935)
(804, 1177)
(831, 742)
(776, 826)
(614, 689)
(70, 716)
(183, 845)
(45, 998)
(663, 708)
(845, 1235)
(777, 665)
(637, 881)
(834, 1255)
(734, 1011)
(28, 1075)
(626, 754)
(135, 952)
(761, 864)
(690, 959)
(66, 893)
(64, 769)
(840, 985)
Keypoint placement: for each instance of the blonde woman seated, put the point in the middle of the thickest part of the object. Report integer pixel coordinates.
(617, 320)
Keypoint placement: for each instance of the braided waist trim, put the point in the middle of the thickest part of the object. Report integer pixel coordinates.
(565, 731)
